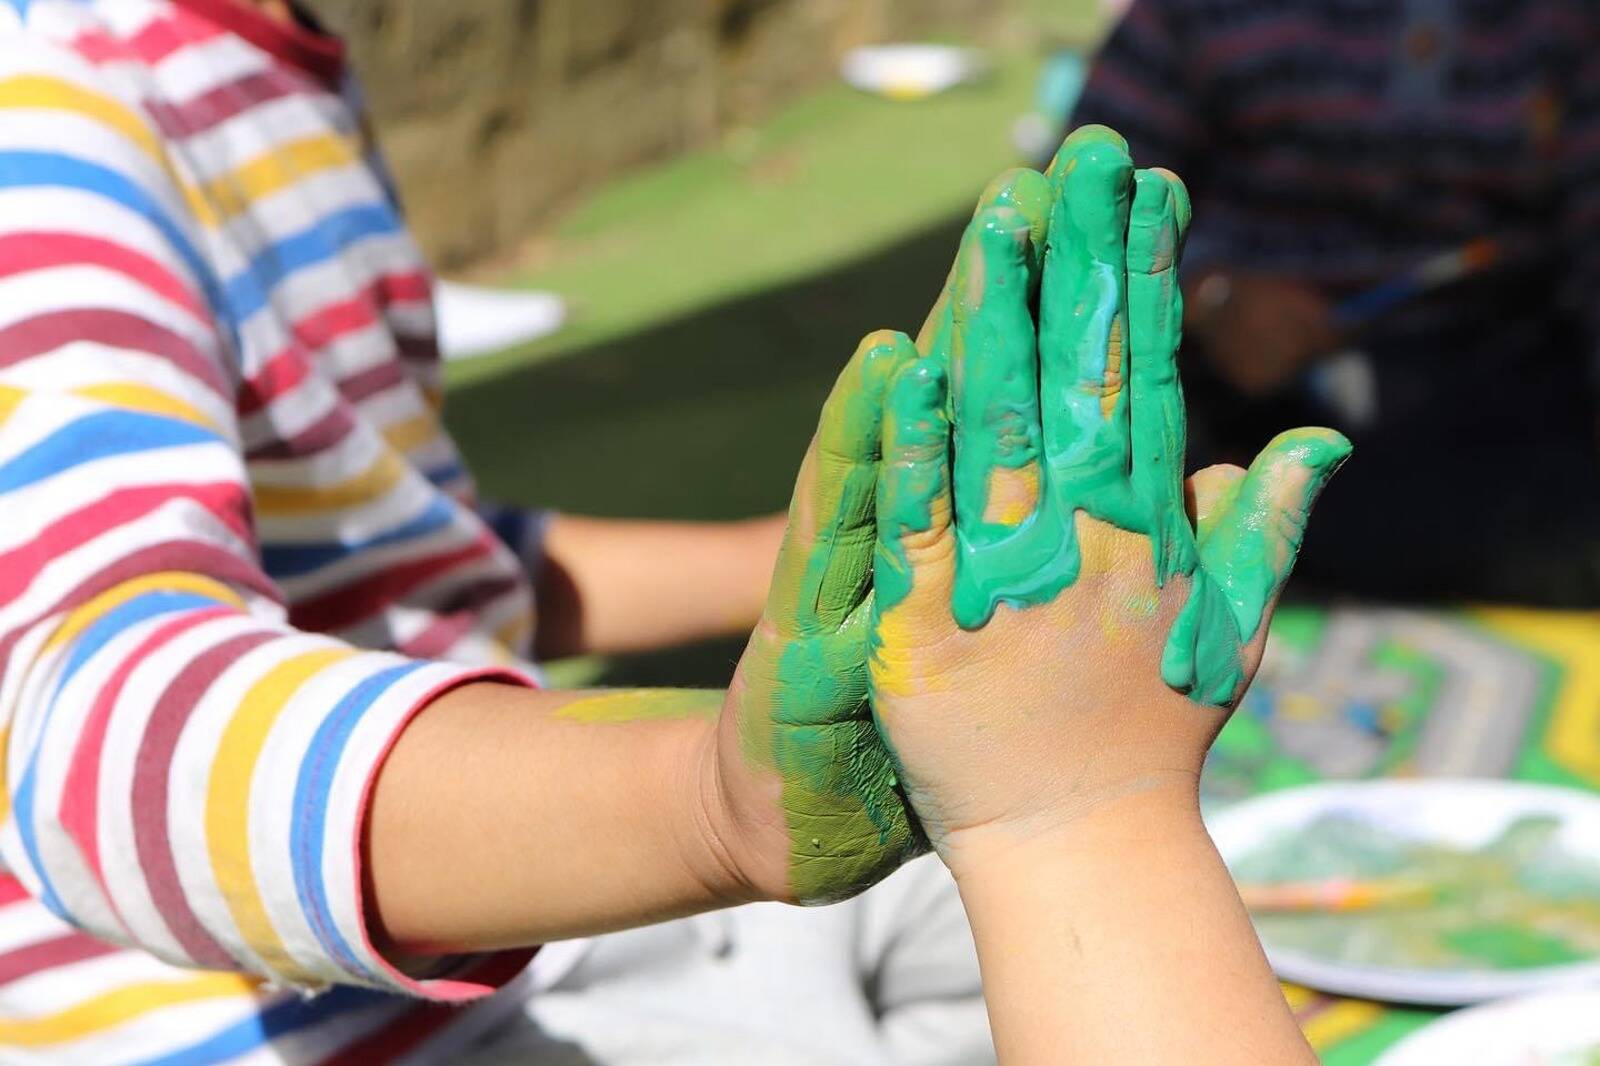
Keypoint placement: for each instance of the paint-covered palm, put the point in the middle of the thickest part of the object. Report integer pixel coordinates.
(1054, 620)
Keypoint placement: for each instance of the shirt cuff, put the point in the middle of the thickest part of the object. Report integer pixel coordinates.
(521, 529)
(337, 780)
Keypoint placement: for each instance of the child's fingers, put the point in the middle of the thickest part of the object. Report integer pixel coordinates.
(916, 547)
(1025, 191)
(1182, 207)
(1083, 310)
(1210, 493)
(1059, 164)
(1155, 398)
(825, 565)
(1250, 525)
(994, 379)
(1250, 548)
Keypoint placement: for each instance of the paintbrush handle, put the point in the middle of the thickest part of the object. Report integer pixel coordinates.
(1332, 896)
(1433, 273)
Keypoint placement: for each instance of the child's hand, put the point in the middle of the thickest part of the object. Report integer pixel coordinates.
(1053, 625)
(804, 774)
(811, 786)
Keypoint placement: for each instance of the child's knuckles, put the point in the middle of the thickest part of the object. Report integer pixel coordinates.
(882, 352)
(1013, 494)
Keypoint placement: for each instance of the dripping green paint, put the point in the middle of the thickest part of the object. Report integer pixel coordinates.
(1109, 318)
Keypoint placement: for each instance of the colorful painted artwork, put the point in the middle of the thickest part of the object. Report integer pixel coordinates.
(1355, 692)
(1518, 902)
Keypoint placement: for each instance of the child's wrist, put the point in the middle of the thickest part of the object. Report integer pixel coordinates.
(736, 841)
(1150, 811)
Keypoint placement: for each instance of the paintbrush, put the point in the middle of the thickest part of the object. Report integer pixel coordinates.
(1346, 381)
(1432, 273)
(1335, 896)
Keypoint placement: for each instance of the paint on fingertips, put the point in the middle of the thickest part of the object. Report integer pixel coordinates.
(1113, 448)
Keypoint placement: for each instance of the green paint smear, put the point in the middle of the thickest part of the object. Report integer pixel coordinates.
(1511, 947)
(643, 705)
(1519, 901)
(804, 709)
(1094, 246)
(849, 824)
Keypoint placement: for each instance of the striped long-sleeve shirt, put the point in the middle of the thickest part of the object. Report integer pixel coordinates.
(236, 553)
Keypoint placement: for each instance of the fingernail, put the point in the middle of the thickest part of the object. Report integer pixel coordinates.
(1322, 451)
(887, 351)
(1003, 235)
(1152, 225)
(1026, 190)
(1078, 141)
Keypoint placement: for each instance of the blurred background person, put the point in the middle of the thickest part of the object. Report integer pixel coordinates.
(1397, 204)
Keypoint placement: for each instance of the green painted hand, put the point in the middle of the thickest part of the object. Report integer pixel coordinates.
(829, 816)
(1048, 608)
(797, 710)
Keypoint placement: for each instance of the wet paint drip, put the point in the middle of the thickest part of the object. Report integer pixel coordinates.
(1093, 246)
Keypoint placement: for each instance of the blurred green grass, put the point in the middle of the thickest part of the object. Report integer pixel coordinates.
(830, 178)
(717, 295)
(716, 298)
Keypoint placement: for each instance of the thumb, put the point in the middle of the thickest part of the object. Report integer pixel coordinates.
(1250, 548)
(914, 569)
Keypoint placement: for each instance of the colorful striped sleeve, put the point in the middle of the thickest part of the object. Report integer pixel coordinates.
(180, 770)
(522, 529)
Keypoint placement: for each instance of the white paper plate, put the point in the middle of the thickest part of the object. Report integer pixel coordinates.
(476, 321)
(1545, 1030)
(1463, 814)
(910, 71)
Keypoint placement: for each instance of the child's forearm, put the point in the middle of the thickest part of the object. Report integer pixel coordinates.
(506, 818)
(1120, 938)
(610, 587)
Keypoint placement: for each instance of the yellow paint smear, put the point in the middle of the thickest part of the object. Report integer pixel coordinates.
(643, 705)
(1013, 495)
